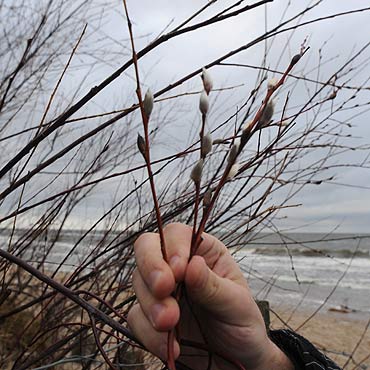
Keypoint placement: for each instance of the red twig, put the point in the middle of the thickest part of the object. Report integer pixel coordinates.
(145, 120)
(97, 341)
(68, 293)
(244, 139)
(102, 301)
(146, 154)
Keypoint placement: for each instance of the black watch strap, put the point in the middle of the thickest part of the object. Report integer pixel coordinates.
(303, 354)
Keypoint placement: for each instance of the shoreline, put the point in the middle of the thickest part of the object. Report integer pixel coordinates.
(335, 334)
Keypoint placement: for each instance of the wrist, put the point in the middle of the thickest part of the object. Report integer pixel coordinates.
(270, 357)
(273, 358)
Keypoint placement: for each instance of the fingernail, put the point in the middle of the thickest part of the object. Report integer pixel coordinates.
(155, 313)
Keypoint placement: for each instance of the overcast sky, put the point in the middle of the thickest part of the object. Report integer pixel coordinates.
(326, 206)
(323, 207)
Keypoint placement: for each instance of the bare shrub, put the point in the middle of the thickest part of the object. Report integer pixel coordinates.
(66, 263)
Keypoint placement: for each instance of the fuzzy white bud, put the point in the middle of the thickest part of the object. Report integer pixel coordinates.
(148, 103)
(141, 144)
(246, 126)
(237, 142)
(196, 173)
(206, 147)
(234, 150)
(233, 171)
(272, 83)
(203, 103)
(267, 114)
(207, 198)
(207, 81)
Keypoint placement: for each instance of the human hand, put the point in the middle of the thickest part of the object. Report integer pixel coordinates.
(218, 295)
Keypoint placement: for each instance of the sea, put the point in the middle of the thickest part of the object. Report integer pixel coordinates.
(311, 271)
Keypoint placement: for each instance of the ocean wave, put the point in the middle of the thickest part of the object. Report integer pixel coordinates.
(353, 284)
(343, 253)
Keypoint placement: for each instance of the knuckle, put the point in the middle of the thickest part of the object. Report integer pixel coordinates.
(212, 289)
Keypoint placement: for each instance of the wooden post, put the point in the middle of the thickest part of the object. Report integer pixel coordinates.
(264, 307)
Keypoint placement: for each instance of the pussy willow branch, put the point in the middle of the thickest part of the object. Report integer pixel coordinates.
(129, 109)
(161, 205)
(260, 158)
(197, 184)
(94, 91)
(244, 139)
(145, 120)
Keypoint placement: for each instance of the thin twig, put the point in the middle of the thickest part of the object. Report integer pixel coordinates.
(145, 120)
(244, 139)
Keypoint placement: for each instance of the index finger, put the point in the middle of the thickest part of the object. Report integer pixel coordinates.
(160, 276)
(178, 238)
(154, 271)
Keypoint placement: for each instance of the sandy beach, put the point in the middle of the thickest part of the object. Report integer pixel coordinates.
(338, 335)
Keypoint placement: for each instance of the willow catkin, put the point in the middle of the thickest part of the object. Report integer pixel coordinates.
(207, 81)
(267, 114)
(233, 171)
(206, 145)
(196, 173)
(141, 144)
(207, 198)
(203, 103)
(148, 103)
(234, 151)
(271, 84)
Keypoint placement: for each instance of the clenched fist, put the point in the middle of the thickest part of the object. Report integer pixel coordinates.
(227, 320)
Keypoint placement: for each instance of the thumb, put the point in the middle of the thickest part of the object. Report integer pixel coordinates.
(223, 298)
